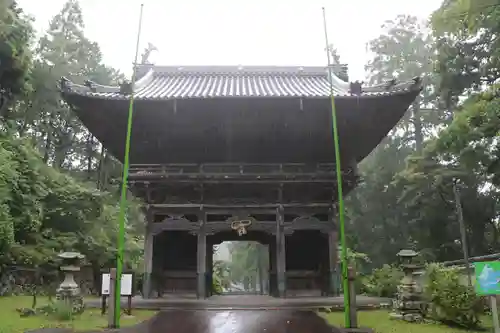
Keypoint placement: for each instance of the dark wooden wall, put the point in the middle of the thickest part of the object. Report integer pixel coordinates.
(174, 262)
(175, 259)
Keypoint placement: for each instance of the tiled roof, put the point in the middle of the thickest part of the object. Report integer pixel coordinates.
(175, 82)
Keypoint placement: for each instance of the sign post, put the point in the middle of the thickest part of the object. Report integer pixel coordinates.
(108, 291)
(488, 284)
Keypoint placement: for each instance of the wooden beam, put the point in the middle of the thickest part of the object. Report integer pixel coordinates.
(174, 224)
(295, 208)
(235, 180)
(242, 207)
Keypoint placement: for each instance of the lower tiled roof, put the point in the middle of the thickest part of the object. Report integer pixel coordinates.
(174, 82)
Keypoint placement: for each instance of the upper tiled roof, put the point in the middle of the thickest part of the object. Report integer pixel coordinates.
(177, 82)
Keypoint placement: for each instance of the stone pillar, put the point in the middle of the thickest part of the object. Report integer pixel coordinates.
(148, 258)
(280, 252)
(202, 258)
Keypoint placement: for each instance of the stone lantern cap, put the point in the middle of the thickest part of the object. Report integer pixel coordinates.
(71, 255)
(407, 254)
(70, 261)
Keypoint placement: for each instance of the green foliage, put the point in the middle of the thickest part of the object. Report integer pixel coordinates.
(467, 152)
(63, 311)
(47, 212)
(220, 277)
(468, 46)
(378, 224)
(383, 282)
(249, 262)
(217, 284)
(450, 300)
(16, 33)
(50, 203)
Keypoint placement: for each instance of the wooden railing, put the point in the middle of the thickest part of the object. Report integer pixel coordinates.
(144, 171)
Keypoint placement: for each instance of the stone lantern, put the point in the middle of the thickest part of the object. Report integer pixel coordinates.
(408, 304)
(69, 291)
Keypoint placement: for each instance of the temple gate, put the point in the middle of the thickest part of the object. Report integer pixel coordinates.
(240, 153)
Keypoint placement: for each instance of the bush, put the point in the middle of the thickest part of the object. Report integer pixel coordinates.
(383, 282)
(450, 301)
(63, 311)
(217, 286)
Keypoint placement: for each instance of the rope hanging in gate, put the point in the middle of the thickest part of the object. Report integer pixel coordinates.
(241, 226)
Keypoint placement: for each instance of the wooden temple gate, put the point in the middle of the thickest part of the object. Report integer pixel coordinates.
(218, 119)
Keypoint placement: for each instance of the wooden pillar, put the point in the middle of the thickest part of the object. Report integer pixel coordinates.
(280, 252)
(273, 285)
(333, 256)
(202, 258)
(111, 301)
(210, 269)
(148, 257)
(353, 314)
(332, 264)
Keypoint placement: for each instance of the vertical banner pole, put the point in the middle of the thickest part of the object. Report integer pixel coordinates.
(123, 198)
(494, 313)
(345, 281)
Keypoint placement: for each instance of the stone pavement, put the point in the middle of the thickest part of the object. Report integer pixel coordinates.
(199, 321)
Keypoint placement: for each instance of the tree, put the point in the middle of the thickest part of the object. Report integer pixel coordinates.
(468, 152)
(378, 224)
(16, 33)
(249, 261)
(468, 46)
(65, 51)
(45, 210)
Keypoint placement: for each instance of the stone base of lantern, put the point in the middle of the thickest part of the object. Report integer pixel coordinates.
(407, 310)
(409, 317)
(71, 298)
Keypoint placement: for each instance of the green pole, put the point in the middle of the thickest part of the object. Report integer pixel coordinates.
(123, 198)
(345, 282)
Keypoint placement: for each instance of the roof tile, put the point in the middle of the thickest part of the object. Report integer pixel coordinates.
(159, 83)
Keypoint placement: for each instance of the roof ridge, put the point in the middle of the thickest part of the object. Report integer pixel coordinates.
(240, 69)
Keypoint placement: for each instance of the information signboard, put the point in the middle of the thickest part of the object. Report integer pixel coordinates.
(487, 278)
(126, 285)
(488, 284)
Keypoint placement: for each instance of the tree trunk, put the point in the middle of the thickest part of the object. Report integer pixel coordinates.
(90, 144)
(100, 168)
(417, 123)
(62, 149)
(47, 148)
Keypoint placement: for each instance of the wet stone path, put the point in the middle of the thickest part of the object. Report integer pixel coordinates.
(242, 321)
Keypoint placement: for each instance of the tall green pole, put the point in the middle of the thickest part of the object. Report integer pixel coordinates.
(345, 282)
(123, 198)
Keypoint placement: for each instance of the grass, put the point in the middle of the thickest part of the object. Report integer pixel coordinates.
(380, 322)
(91, 319)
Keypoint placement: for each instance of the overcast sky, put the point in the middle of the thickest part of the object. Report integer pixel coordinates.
(235, 32)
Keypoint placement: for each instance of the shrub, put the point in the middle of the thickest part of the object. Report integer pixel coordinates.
(217, 287)
(383, 282)
(450, 301)
(63, 311)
